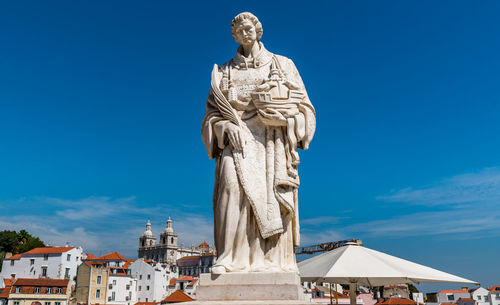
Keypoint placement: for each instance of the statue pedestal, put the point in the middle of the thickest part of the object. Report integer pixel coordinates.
(249, 288)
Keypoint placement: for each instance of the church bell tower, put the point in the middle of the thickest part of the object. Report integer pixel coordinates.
(147, 239)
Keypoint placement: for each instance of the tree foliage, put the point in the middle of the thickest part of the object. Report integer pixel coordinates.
(412, 288)
(15, 243)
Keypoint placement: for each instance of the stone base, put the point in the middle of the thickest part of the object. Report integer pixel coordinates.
(249, 288)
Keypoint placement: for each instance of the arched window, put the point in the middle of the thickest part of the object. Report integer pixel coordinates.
(172, 240)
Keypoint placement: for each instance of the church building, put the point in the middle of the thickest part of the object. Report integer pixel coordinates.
(166, 251)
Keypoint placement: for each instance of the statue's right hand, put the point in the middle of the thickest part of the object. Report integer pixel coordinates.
(235, 136)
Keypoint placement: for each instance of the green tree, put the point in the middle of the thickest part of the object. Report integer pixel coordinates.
(8, 241)
(15, 243)
(412, 288)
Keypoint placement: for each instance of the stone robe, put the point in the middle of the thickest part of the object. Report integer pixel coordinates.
(255, 195)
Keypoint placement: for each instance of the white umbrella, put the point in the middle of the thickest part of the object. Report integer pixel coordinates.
(354, 264)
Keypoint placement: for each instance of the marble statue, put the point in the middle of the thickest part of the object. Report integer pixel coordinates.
(258, 115)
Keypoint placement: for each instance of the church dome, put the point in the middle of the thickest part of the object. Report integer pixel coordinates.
(148, 232)
(169, 228)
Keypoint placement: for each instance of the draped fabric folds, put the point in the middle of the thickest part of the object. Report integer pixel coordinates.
(255, 195)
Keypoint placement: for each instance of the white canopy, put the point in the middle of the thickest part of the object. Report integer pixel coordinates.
(356, 264)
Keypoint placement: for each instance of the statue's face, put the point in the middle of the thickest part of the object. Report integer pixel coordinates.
(245, 33)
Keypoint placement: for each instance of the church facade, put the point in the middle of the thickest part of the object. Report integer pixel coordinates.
(166, 250)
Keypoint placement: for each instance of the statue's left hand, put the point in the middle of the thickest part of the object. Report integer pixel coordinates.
(272, 117)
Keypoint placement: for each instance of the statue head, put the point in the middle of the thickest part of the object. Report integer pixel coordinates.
(246, 28)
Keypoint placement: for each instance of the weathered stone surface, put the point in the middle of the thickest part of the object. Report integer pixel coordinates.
(250, 286)
(258, 115)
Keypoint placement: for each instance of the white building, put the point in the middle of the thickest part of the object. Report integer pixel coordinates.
(152, 280)
(480, 295)
(447, 296)
(494, 295)
(122, 287)
(48, 262)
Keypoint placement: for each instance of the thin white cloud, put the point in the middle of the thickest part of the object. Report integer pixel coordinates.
(462, 204)
(321, 220)
(472, 188)
(100, 224)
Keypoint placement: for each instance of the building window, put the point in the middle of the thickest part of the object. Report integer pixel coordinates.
(114, 282)
(49, 289)
(37, 289)
(68, 257)
(140, 288)
(140, 277)
(486, 299)
(12, 262)
(32, 261)
(98, 293)
(172, 240)
(47, 303)
(16, 302)
(44, 271)
(57, 303)
(113, 294)
(479, 297)
(451, 297)
(149, 276)
(66, 273)
(147, 300)
(19, 289)
(13, 276)
(497, 296)
(99, 278)
(147, 287)
(45, 257)
(59, 290)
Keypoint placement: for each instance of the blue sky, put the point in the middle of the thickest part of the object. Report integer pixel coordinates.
(101, 104)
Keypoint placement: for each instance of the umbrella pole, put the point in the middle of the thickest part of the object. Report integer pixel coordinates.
(352, 292)
(336, 295)
(331, 298)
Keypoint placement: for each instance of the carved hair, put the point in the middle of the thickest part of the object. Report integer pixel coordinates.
(247, 16)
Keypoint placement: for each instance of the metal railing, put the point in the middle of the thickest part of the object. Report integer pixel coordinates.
(326, 246)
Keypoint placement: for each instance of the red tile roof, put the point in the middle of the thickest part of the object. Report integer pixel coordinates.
(42, 282)
(495, 288)
(172, 282)
(204, 245)
(185, 278)
(454, 291)
(49, 250)
(113, 256)
(4, 293)
(91, 263)
(8, 282)
(119, 271)
(395, 301)
(90, 256)
(193, 282)
(467, 299)
(448, 303)
(185, 258)
(147, 303)
(127, 263)
(13, 257)
(177, 297)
